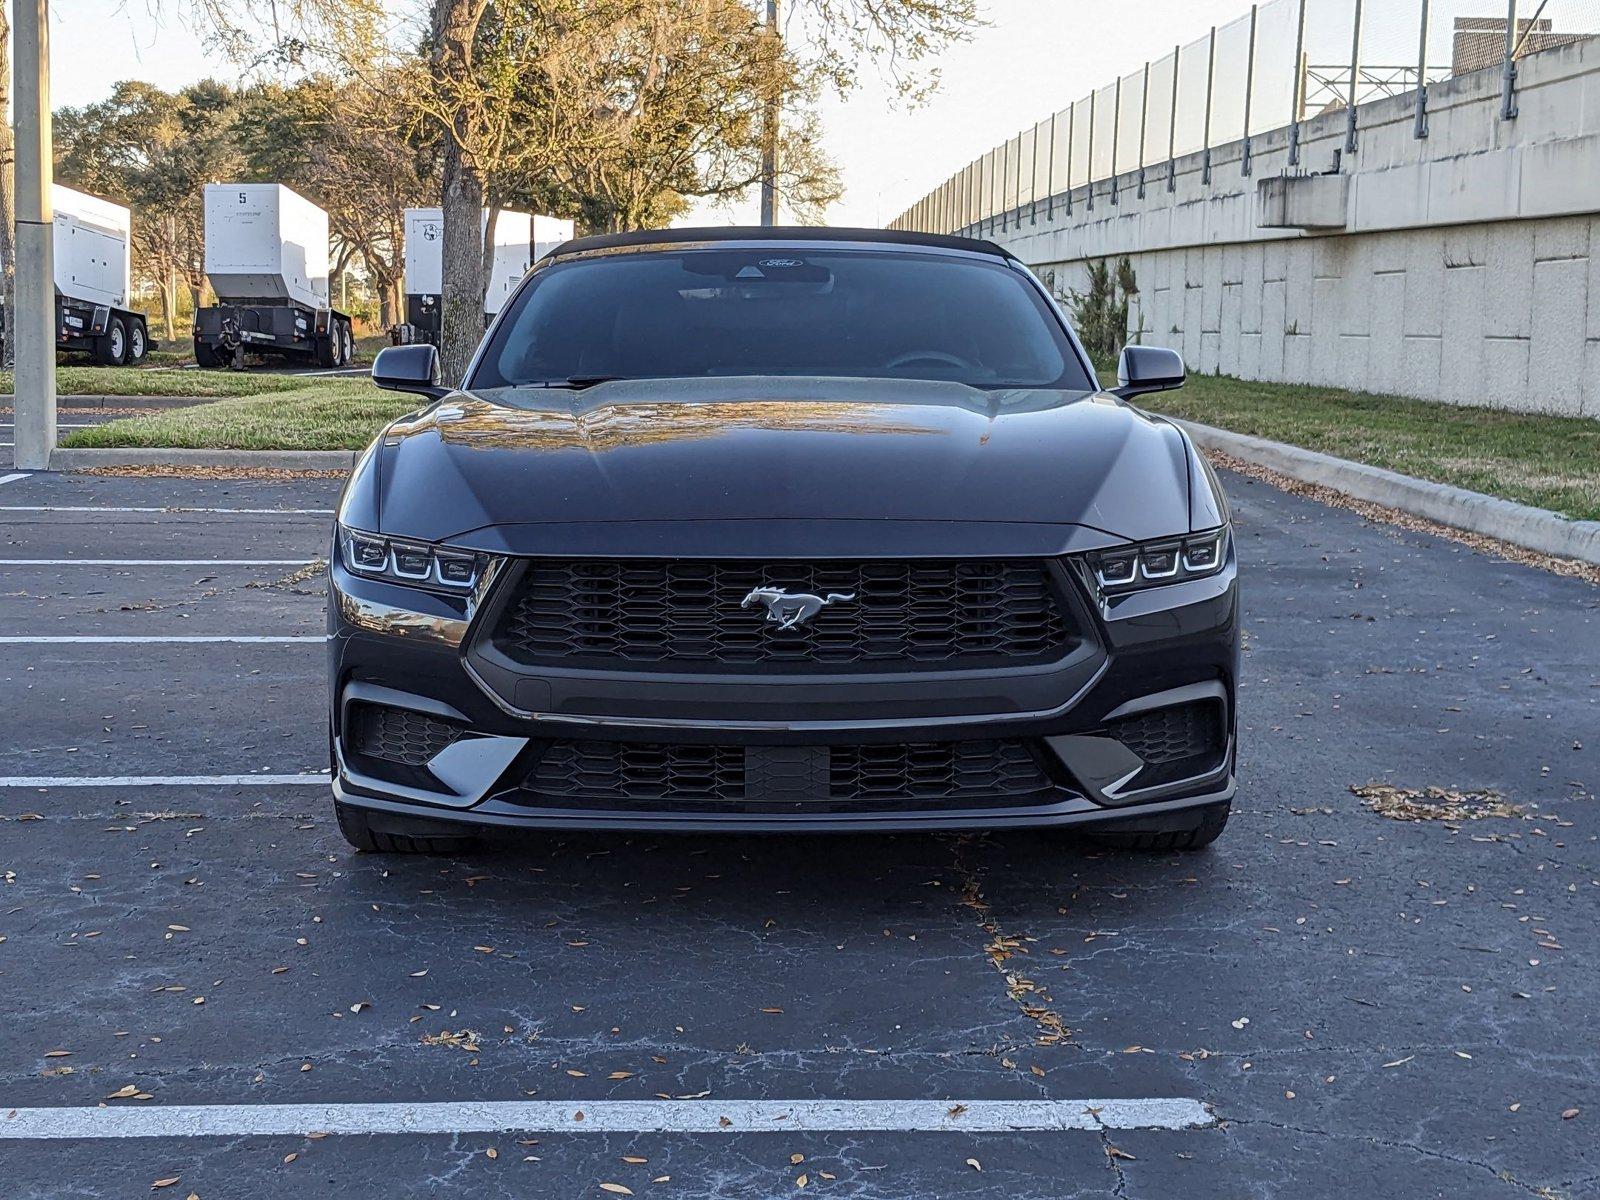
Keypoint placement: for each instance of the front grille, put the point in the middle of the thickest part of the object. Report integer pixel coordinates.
(935, 770)
(895, 775)
(689, 614)
(397, 735)
(1175, 743)
(638, 771)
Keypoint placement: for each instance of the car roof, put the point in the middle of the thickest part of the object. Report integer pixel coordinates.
(774, 235)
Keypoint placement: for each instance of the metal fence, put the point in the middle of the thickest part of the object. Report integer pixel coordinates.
(1280, 64)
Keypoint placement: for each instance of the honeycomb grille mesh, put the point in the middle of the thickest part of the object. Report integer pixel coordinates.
(935, 771)
(639, 771)
(1175, 743)
(628, 772)
(1170, 734)
(398, 735)
(636, 614)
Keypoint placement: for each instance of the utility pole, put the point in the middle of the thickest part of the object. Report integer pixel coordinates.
(34, 322)
(770, 120)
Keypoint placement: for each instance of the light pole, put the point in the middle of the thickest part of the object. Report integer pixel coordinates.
(34, 322)
(771, 117)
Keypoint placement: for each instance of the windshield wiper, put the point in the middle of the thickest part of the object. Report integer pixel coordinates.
(577, 382)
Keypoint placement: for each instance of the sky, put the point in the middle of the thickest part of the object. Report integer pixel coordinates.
(1033, 57)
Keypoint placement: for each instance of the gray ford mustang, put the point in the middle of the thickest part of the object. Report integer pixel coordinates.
(781, 529)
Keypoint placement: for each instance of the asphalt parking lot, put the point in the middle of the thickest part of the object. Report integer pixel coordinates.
(1353, 1003)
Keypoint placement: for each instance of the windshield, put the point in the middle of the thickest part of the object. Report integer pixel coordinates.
(787, 310)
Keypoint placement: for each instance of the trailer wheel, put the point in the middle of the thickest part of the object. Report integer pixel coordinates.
(111, 347)
(349, 342)
(137, 346)
(328, 347)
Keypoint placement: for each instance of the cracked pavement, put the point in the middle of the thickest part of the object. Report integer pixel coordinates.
(1402, 1008)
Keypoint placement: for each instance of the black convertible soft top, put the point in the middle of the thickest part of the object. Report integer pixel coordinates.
(776, 233)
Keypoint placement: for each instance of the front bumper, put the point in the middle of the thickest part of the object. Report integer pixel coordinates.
(1144, 657)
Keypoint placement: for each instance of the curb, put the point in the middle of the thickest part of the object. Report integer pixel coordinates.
(151, 456)
(1520, 524)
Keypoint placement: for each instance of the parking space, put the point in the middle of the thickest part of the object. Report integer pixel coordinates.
(1350, 1001)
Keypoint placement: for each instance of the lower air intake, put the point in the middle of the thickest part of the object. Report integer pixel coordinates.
(895, 775)
(1175, 743)
(397, 735)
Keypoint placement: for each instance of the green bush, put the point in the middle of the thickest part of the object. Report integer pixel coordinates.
(1101, 313)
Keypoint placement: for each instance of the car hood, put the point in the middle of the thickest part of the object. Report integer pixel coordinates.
(773, 450)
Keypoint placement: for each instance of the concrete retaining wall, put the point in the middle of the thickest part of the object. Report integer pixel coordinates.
(1466, 268)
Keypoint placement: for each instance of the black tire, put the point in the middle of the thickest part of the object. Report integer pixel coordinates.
(357, 828)
(138, 342)
(1213, 821)
(206, 355)
(111, 347)
(328, 347)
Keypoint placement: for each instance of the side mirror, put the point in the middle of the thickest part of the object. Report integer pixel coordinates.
(1141, 369)
(409, 369)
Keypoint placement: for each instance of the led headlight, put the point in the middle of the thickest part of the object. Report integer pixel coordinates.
(1165, 560)
(417, 564)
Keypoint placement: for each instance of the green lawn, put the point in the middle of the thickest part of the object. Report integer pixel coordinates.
(319, 414)
(145, 381)
(1549, 462)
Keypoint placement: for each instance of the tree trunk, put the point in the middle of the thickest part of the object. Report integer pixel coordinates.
(8, 214)
(454, 30)
(461, 301)
(168, 301)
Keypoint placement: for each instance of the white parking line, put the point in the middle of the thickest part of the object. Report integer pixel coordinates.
(95, 639)
(157, 562)
(123, 781)
(95, 508)
(12, 478)
(604, 1116)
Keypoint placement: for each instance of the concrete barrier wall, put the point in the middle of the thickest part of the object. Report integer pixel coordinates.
(1463, 267)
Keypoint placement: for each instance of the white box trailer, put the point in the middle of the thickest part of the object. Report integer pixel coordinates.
(267, 259)
(516, 244)
(93, 262)
(548, 233)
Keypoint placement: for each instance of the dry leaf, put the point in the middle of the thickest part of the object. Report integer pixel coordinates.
(161, 1183)
(616, 1189)
(491, 1152)
(974, 1164)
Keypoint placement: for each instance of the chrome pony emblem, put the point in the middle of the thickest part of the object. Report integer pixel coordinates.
(790, 611)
